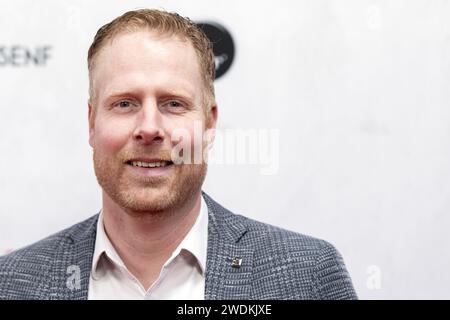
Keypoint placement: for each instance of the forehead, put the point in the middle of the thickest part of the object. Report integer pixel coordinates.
(146, 60)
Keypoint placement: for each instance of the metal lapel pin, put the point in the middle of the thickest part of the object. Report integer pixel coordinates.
(236, 262)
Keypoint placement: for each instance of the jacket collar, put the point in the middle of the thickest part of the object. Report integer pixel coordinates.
(229, 263)
(73, 261)
(228, 266)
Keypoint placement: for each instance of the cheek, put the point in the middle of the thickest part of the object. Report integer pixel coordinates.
(190, 130)
(111, 136)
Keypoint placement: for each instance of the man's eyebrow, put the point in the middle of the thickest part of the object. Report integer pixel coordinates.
(178, 93)
(119, 94)
(163, 92)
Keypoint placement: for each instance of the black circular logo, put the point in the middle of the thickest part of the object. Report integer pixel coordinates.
(223, 45)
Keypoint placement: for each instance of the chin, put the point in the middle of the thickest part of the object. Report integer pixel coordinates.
(147, 201)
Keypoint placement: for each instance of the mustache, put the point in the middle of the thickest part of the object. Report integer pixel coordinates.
(161, 154)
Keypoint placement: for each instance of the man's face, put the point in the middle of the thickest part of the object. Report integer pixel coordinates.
(147, 87)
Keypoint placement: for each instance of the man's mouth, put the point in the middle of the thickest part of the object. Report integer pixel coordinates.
(149, 164)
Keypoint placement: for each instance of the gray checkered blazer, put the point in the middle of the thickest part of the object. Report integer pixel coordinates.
(276, 264)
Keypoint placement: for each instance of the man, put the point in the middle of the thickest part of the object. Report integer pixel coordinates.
(158, 236)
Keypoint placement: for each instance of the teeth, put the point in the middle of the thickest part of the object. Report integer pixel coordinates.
(148, 164)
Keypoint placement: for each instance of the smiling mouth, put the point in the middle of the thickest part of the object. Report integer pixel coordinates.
(153, 164)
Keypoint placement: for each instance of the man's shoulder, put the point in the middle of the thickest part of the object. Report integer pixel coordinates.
(268, 237)
(291, 265)
(45, 248)
(258, 232)
(309, 267)
(33, 262)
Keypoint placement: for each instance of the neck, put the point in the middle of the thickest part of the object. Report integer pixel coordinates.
(146, 240)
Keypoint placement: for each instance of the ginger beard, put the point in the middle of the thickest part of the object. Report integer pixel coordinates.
(168, 192)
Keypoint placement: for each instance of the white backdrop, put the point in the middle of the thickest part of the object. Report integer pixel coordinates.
(359, 91)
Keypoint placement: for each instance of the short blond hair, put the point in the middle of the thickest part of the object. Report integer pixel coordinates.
(164, 23)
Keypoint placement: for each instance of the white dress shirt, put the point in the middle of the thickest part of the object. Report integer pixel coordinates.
(182, 276)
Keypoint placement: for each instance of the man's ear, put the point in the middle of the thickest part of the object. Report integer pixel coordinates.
(91, 120)
(211, 121)
(210, 127)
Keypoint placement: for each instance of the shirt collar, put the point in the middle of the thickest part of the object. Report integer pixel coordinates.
(194, 242)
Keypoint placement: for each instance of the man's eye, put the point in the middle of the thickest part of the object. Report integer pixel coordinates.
(124, 104)
(174, 104)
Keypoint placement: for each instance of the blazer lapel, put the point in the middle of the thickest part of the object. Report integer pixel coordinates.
(229, 262)
(73, 262)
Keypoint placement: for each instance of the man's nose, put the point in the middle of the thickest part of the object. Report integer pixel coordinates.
(149, 127)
